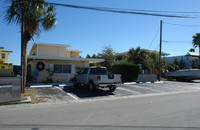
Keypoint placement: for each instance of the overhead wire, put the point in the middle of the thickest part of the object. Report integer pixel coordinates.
(154, 38)
(117, 10)
(182, 24)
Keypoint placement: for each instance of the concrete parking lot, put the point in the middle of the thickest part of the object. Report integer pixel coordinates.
(69, 93)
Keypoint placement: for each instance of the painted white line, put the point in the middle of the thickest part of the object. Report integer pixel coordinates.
(70, 94)
(120, 88)
(143, 87)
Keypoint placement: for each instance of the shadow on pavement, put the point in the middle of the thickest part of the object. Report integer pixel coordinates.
(83, 92)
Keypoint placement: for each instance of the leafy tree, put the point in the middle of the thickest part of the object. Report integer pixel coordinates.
(108, 55)
(34, 14)
(88, 56)
(193, 64)
(138, 56)
(192, 50)
(196, 43)
(94, 56)
(182, 64)
(176, 64)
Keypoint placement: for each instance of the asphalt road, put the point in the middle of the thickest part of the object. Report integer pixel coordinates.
(172, 111)
(69, 93)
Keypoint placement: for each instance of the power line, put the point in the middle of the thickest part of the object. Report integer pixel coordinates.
(113, 10)
(153, 38)
(182, 25)
(176, 41)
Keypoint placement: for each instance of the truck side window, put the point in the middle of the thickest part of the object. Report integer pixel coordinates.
(85, 71)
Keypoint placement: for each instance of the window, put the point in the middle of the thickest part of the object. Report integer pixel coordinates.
(3, 55)
(83, 71)
(98, 71)
(62, 68)
(72, 55)
(3, 67)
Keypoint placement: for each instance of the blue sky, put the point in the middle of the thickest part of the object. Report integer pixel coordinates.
(90, 31)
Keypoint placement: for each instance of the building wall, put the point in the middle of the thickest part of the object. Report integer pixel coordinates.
(187, 59)
(61, 78)
(6, 59)
(70, 53)
(58, 51)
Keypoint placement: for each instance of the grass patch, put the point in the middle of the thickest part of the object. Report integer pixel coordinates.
(32, 92)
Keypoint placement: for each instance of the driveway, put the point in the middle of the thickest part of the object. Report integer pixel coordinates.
(70, 93)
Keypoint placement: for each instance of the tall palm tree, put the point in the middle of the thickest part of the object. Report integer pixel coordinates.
(196, 43)
(33, 13)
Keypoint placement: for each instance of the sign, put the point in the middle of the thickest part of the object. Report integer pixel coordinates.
(35, 73)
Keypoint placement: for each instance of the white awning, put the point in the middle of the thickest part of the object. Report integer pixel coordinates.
(64, 58)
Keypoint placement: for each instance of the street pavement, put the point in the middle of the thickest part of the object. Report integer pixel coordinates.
(178, 111)
(70, 93)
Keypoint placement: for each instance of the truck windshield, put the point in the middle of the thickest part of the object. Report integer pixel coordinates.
(98, 71)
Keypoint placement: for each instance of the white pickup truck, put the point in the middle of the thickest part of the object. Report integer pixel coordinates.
(97, 77)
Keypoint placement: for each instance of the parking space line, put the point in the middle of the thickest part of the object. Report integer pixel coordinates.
(70, 94)
(170, 87)
(143, 87)
(120, 88)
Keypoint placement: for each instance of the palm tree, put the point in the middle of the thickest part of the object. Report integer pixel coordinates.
(33, 14)
(196, 42)
(136, 56)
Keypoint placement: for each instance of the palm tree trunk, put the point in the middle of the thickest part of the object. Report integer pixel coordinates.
(25, 48)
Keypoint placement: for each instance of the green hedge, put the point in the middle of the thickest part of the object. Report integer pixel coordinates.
(128, 71)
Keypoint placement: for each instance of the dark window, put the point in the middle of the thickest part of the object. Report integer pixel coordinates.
(62, 68)
(98, 71)
(84, 71)
(3, 55)
(3, 67)
(66, 68)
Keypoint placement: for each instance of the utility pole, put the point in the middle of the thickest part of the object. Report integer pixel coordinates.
(159, 64)
(22, 52)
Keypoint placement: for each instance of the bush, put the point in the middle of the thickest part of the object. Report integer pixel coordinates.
(128, 71)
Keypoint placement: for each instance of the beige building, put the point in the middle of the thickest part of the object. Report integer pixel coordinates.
(54, 63)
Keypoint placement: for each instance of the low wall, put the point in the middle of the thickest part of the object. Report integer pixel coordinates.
(10, 89)
(146, 78)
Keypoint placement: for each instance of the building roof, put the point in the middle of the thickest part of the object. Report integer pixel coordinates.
(192, 54)
(47, 44)
(4, 50)
(126, 53)
(64, 58)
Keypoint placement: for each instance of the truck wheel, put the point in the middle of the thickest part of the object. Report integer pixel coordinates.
(112, 88)
(91, 87)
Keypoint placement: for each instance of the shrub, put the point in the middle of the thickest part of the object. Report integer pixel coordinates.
(128, 71)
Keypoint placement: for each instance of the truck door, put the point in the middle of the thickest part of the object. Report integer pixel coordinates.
(81, 78)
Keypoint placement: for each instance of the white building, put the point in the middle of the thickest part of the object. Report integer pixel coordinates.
(188, 58)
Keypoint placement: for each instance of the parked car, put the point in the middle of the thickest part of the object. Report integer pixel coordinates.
(97, 77)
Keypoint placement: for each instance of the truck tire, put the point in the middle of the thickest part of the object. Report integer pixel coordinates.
(112, 88)
(91, 86)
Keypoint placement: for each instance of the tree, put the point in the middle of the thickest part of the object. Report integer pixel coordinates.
(108, 55)
(196, 43)
(182, 64)
(191, 50)
(33, 14)
(88, 56)
(137, 56)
